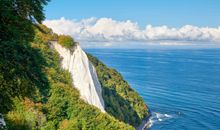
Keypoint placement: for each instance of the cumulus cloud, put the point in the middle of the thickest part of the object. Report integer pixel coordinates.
(110, 31)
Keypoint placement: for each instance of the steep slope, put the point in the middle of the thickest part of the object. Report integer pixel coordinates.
(53, 103)
(121, 100)
(83, 74)
(45, 96)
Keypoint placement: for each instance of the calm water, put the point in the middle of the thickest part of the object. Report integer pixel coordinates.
(181, 87)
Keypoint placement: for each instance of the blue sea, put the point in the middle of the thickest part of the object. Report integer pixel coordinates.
(181, 87)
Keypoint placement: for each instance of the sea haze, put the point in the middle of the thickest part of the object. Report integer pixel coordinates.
(181, 87)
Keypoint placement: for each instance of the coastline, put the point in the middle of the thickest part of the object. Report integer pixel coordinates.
(145, 124)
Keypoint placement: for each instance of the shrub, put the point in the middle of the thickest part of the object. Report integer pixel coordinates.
(66, 41)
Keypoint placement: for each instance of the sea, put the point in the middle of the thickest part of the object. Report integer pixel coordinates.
(180, 86)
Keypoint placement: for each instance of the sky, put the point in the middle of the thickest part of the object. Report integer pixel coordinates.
(132, 23)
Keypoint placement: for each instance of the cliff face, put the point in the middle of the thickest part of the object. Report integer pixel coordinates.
(55, 87)
(121, 100)
(83, 74)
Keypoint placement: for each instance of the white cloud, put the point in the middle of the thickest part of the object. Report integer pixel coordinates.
(173, 43)
(111, 31)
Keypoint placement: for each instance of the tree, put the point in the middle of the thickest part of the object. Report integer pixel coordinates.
(17, 18)
(19, 63)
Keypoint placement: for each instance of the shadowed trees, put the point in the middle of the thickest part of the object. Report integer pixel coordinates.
(20, 71)
(17, 18)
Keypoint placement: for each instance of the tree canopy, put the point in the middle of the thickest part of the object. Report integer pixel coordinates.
(20, 67)
(17, 18)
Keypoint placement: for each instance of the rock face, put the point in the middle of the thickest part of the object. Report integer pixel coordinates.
(83, 74)
(2, 122)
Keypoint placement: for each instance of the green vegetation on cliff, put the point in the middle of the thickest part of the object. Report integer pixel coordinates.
(121, 101)
(52, 103)
(66, 41)
(20, 70)
(36, 93)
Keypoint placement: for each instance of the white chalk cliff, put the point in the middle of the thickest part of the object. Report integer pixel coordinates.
(83, 74)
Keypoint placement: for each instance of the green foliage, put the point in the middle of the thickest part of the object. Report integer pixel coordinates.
(16, 18)
(64, 108)
(70, 112)
(121, 100)
(55, 100)
(20, 72)
(44, 34)
(66, 41)
(35, 92)
(20, 65)
(25, 116)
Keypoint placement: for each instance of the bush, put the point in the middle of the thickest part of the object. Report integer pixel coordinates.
(25, 116)
(66, 41)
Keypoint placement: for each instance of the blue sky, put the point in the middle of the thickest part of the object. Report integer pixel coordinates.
(173, 13)
(112, 23)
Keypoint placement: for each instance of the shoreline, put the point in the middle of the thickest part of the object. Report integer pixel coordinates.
(144, 123)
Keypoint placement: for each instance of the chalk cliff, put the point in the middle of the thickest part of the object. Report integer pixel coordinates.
(83, 74)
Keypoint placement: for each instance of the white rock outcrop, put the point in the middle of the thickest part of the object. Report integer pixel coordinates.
(83, 74)
(2, 122)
